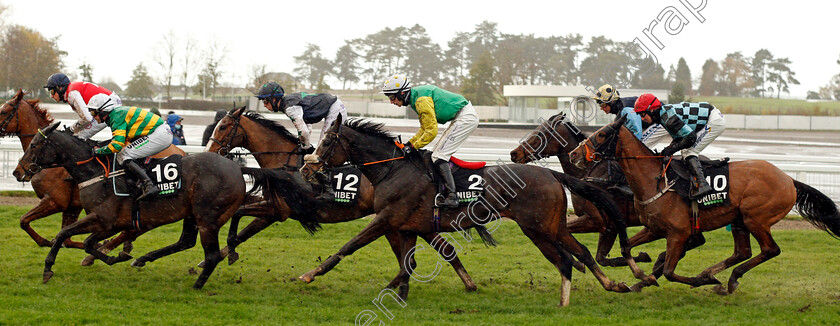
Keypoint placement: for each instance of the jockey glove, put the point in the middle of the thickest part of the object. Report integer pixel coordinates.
(93, 151)
(668, 151)
(407, 148)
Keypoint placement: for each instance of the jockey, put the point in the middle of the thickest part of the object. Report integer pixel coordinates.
(435, 106)
(693, 126)
(137, 134)
(608, 98)
(303, 109)
(78, 95)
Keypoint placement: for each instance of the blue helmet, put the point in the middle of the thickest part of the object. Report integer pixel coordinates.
(270, 89)
(58, 83)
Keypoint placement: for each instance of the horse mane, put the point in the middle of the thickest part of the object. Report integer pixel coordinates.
(579, 136)
(36, 104)
(271, 125)
(369, 127)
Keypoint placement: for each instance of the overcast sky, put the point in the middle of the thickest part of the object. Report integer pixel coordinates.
(114, 36)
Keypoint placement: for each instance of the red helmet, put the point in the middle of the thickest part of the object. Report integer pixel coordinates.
(646, 102)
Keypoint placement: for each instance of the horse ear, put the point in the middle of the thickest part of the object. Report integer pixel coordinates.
(18, 96)
(336, 124)
(51, 127)
(238, 112)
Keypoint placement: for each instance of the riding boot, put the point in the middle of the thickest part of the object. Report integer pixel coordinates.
(699, 184)
(149, 188)
(327, 191)
(450, 196)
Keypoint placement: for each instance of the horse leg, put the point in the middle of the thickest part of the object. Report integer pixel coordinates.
(125, 237)
(677, 243)
(186, 241)
(88, 224)
(396, 246)
(408, 241)
(45, 207)
(212, 255)
(769, 249)
(742, 251)
(552, 252)
(70, 216)
(450, 254)
(92, 244)
(371, 232)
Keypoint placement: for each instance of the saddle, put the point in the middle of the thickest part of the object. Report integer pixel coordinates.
(469, 176)
(717, 171)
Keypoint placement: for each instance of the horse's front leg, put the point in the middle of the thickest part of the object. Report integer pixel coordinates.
(371, 232)
(89, 224)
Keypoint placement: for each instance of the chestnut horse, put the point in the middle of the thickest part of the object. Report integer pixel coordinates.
(58, 193)
(532, 196)
(760, 195)
(212, 190)
(274, 147)
(558, 136)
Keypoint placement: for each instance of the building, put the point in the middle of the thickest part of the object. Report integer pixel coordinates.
(529, 103)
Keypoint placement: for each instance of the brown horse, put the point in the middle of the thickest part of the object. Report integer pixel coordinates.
(58, 193)
(558, 136)
(273, 146)
(760, 195)
(534, 197)
(212, 190)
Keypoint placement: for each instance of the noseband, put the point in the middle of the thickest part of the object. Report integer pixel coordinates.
(225, 148)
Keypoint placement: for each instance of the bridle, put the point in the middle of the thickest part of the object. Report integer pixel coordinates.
(227, 144)
(334, 136)
(12, 114)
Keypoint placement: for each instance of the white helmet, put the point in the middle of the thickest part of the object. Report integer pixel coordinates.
(395, 85)
(102, 103)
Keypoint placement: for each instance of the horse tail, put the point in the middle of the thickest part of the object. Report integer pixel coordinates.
(277, 184)
(600, 198)
(486, 236)
(817, 208)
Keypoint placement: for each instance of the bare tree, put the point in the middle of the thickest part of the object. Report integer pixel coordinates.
(188, 62)
(164, 56)
(257, 76)
(214, 57)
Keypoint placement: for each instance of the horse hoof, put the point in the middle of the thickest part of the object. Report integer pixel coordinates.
(733, 284)
(88, 261)
(720, 290)
(403, 292)
(579, 266)
(233, 256)
(47, 276)
(471, 288)
(621, 288)
(138, 263)
(650, 280)
(643, 258)
(128, 247)
(306, 278)
(124, 256)
(202, 263)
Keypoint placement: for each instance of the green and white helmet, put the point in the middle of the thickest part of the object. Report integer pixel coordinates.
(396, 84)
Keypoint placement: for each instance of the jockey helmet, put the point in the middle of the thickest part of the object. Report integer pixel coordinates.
(57, 83)
(647, 102)
(101, 103)
(396, 84)
(270, 89)
(606, 94)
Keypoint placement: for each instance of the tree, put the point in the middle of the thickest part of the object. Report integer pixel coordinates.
(27, 58)
(812, 95)
(423, 63)
(760, 60)
(735, 75)
(478, 87)
(708, 81)
(312, 67)
(141, 84)
(258, 78)
(87, 72)
(214, 57)
(187, 63)
(346, 64)
(677, 93)
(111, 85)
(683, 75)
(779, 73)
(165, 58)
(455, 62)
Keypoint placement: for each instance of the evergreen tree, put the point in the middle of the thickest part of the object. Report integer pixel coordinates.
(677, 93)
(708, 81)
(141, 84)
(683, 76)
(87, 72)
(478, 88)
(346, 65)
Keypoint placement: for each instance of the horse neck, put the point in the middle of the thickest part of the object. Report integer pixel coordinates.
(641, 173)
(566, 134)
(371, 152)
(28, 122)
(72, 154)
(262, 139)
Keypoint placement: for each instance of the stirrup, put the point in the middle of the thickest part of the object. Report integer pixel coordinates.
(443, 201)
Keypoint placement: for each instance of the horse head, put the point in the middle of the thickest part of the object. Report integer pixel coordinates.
(554, 136)
(331, 152)
(601, 144)
(228, 133)
(41, 152)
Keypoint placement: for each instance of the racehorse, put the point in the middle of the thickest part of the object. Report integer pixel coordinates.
(558, 136)
(532, 196)
(212, 189)
(53, 186)
(274, 147)
(760, 195)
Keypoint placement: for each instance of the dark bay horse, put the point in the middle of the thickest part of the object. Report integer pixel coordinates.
(760, 195)
(212, 189)
(534, 197)
(57, 192)
(274, 147)
(558, 136)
